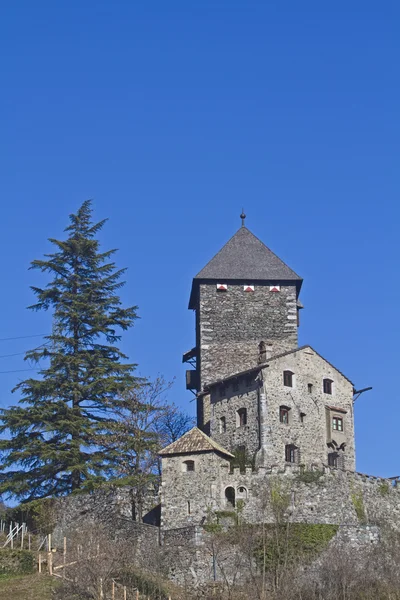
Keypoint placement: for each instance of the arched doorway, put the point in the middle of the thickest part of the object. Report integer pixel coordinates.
(230, 497)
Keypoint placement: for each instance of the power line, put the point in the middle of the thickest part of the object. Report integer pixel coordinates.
(22, 353)
(23, 337)
(17, 371)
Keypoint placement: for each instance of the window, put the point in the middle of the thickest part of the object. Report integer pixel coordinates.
(302, 417)
(188, 507)
(241, 418)
(188, 466)
(333, 458)
(288, 378)
(328, 386)
(242, 491)
(222, 425)
(337, 423)
(291, 453)
(284, 414)
(309, 385)
(230, 497)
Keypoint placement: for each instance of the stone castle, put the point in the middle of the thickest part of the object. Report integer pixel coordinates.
(264, 404)
(274, 421)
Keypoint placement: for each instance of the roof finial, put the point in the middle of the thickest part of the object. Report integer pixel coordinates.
(243, 216)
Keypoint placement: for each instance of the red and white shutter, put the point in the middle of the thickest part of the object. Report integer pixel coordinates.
(222, 287)
(274, 288)
(248, 288)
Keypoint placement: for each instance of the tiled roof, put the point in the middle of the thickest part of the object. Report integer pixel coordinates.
(194, 441)
(245, 257)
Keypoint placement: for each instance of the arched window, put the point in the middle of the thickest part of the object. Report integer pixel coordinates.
(241, 417)
(230, 497)
(291, 453)
(188, 466)
(288, 378)
(328, 386)
(222, 425)
(284, 414)
(242, 492)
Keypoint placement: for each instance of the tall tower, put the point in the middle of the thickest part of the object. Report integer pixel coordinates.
(244, 296)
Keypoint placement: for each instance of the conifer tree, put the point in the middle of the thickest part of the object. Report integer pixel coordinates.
(52, 444)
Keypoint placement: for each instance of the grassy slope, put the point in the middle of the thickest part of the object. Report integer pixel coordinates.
(27, 587)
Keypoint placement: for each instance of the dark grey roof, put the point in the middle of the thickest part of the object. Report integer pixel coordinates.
(245, 257)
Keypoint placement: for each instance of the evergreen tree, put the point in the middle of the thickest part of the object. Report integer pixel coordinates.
(53, 448)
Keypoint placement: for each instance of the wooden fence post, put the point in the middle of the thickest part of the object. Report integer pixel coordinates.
(49, 556)
(113, 590)
(64, 555)
(137, 594)
(40, 562)
(101, 589)
(124, 592)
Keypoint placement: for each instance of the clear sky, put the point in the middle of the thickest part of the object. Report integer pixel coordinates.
(172, 116)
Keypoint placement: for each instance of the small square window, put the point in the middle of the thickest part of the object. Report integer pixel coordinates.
(291, 453)
(241, 419)
(288, 378)
(284, 414)
(309, 385)
(337, 424)
(328, 386)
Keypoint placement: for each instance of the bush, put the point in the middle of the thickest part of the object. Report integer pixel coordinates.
(16, 562)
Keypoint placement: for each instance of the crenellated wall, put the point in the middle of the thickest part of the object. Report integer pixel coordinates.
(316, 496)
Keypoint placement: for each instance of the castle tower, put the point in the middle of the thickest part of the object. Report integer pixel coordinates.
(244, 296)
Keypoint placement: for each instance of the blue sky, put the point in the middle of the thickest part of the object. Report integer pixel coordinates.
(172, 116)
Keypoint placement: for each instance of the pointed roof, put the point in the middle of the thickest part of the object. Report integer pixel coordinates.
(245, 258)
(194, 441)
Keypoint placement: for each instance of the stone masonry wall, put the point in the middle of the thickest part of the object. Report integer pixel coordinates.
(231, 324)
(225, 402)
(310, 421)
(186, 495)
(325, 496)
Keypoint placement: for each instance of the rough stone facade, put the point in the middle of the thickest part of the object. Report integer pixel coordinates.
(301, 415)
(232, 323)
(185, 495)
(319, 496)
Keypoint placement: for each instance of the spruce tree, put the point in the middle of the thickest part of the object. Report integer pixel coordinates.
(53, 433)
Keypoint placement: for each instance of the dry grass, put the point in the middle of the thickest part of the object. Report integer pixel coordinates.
(27, 587)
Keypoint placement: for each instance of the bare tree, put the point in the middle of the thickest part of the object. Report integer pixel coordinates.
(144, 423)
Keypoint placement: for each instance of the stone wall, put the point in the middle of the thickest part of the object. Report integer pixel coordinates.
(310, 421)
(226, 401)
(231, 324)
(187, 495)
(110, 508)
(320, 496)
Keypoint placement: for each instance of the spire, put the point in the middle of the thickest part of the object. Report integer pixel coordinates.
(243, 216)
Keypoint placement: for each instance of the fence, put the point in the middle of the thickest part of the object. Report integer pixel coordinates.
(56, 563)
